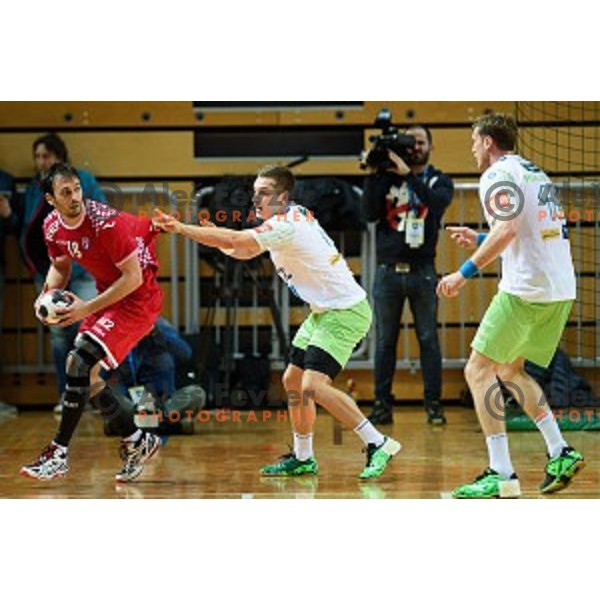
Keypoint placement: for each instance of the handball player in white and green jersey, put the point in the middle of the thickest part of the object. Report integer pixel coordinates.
(307, 260)
(526, 318)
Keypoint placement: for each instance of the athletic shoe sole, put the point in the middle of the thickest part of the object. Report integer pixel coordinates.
(25, 473)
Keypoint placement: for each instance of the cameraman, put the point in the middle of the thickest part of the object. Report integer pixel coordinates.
(407, 201)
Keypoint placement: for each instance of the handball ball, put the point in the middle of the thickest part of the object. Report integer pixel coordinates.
(49, 303)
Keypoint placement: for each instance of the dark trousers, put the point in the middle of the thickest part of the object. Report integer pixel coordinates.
(390, 291)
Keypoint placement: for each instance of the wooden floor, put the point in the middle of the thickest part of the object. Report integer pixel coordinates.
(222, 459)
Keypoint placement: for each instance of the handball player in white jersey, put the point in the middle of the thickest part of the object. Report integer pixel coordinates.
(526, 318)
(307, 260)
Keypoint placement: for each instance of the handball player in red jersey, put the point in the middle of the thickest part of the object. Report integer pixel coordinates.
(118, 249)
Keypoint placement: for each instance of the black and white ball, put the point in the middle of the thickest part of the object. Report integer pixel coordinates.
(49, 303)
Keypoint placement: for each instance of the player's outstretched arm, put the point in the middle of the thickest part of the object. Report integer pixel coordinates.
(238, 244)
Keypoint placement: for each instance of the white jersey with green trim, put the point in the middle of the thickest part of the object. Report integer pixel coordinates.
(537, 266)
(307, 259)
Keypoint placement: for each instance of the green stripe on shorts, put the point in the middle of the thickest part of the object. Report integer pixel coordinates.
(337, 332)
(513, 328)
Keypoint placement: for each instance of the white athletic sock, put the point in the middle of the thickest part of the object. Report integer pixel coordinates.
(368, 434)
(499, 454)
(554, 439)
(134, 437)
(303, 446)
(61, 448)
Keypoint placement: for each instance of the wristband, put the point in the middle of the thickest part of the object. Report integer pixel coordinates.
(481, 238)
(469, 270)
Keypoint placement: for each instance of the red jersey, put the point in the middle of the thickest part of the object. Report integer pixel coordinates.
(104, 239)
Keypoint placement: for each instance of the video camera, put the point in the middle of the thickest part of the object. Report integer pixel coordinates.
(389, 139)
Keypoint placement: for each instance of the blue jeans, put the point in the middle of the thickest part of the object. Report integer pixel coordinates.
(390, 292)
(63, 338)
(155, 372)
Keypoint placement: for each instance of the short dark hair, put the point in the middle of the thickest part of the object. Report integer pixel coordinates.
(54, 144)
(500, 127)
(422, 128)
(58, 170)
(282, 175)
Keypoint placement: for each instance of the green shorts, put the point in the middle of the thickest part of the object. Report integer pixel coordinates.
(513, 328)
(337, 332)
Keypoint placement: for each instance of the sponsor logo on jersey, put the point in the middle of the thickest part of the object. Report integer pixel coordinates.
(551, 234)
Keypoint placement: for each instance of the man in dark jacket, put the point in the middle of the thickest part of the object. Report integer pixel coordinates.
(407, 203)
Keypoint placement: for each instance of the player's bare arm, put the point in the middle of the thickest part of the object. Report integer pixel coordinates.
(501, 236)
(238, 244)
(58, 275)
(57, 278)
(131, 279)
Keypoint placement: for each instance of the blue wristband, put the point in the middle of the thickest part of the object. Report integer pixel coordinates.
(481, 238)
(469, 270)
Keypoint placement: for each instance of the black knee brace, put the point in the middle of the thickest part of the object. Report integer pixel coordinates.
(85, 355)
(82, 358)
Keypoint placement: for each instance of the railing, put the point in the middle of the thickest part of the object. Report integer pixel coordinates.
(363, 358)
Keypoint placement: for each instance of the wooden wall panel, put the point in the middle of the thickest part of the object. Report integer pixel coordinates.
(581, 340)
(404, 112)
(18, 304)
(147, 154)
(153, 154)
(14, 265)
(95, 114)
(24, 348)
(149, 114)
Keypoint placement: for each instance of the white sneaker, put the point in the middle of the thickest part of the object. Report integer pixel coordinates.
(51, 463)
(135, 455)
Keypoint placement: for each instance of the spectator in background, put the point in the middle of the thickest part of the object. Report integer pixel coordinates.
(27, 220)
(7, 191)
(408, 202)
(155, 362)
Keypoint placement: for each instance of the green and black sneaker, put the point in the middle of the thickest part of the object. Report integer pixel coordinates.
(561, 470)
(378, 458)
(489, 485)
(289, 466)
